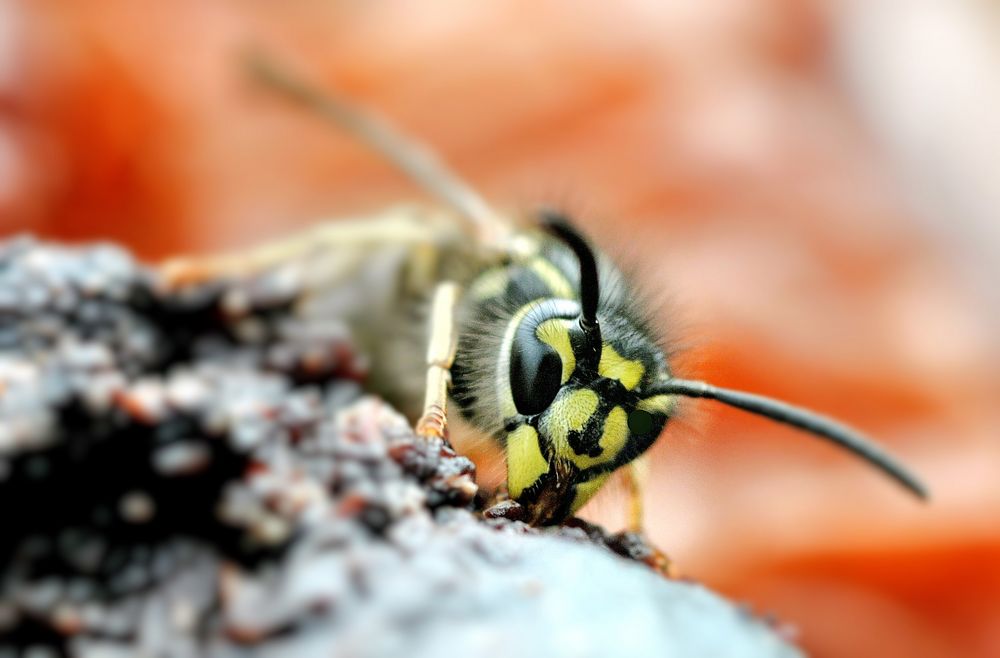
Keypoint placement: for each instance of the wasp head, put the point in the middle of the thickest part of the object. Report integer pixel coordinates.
(575, 407)
(578, 407)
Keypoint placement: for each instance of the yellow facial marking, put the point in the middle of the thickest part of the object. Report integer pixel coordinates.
(614, 366)
(613, 439)
(556, 334)
(569, 413)
(586, 490)
(554, 280)
(663, 404)
(525, 463)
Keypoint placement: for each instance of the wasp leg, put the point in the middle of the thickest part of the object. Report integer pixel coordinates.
(440, 355)
(184, 271)
(636, 477)
(633, 541)
(330, 251)
(399, 149)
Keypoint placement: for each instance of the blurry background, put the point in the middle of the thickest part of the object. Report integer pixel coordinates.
(811, 188)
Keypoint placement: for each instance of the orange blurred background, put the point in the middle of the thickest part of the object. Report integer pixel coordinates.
(810, 187)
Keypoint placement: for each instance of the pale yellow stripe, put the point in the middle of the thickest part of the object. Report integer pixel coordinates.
(553, 278)
(525, 462)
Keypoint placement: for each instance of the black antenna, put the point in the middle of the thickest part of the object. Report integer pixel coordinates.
(590, 290)
(803, 419)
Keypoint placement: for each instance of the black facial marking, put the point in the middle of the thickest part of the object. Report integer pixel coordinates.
(585, 442)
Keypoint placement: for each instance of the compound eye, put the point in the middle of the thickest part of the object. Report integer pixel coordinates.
(640, 422)
(535, 375)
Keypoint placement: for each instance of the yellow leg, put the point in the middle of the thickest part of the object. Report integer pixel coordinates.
(440, 355)
(636, 477)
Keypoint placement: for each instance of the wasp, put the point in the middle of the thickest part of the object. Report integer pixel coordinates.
(534, 336)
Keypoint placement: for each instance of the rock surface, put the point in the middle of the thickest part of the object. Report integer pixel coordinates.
(185, 474)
